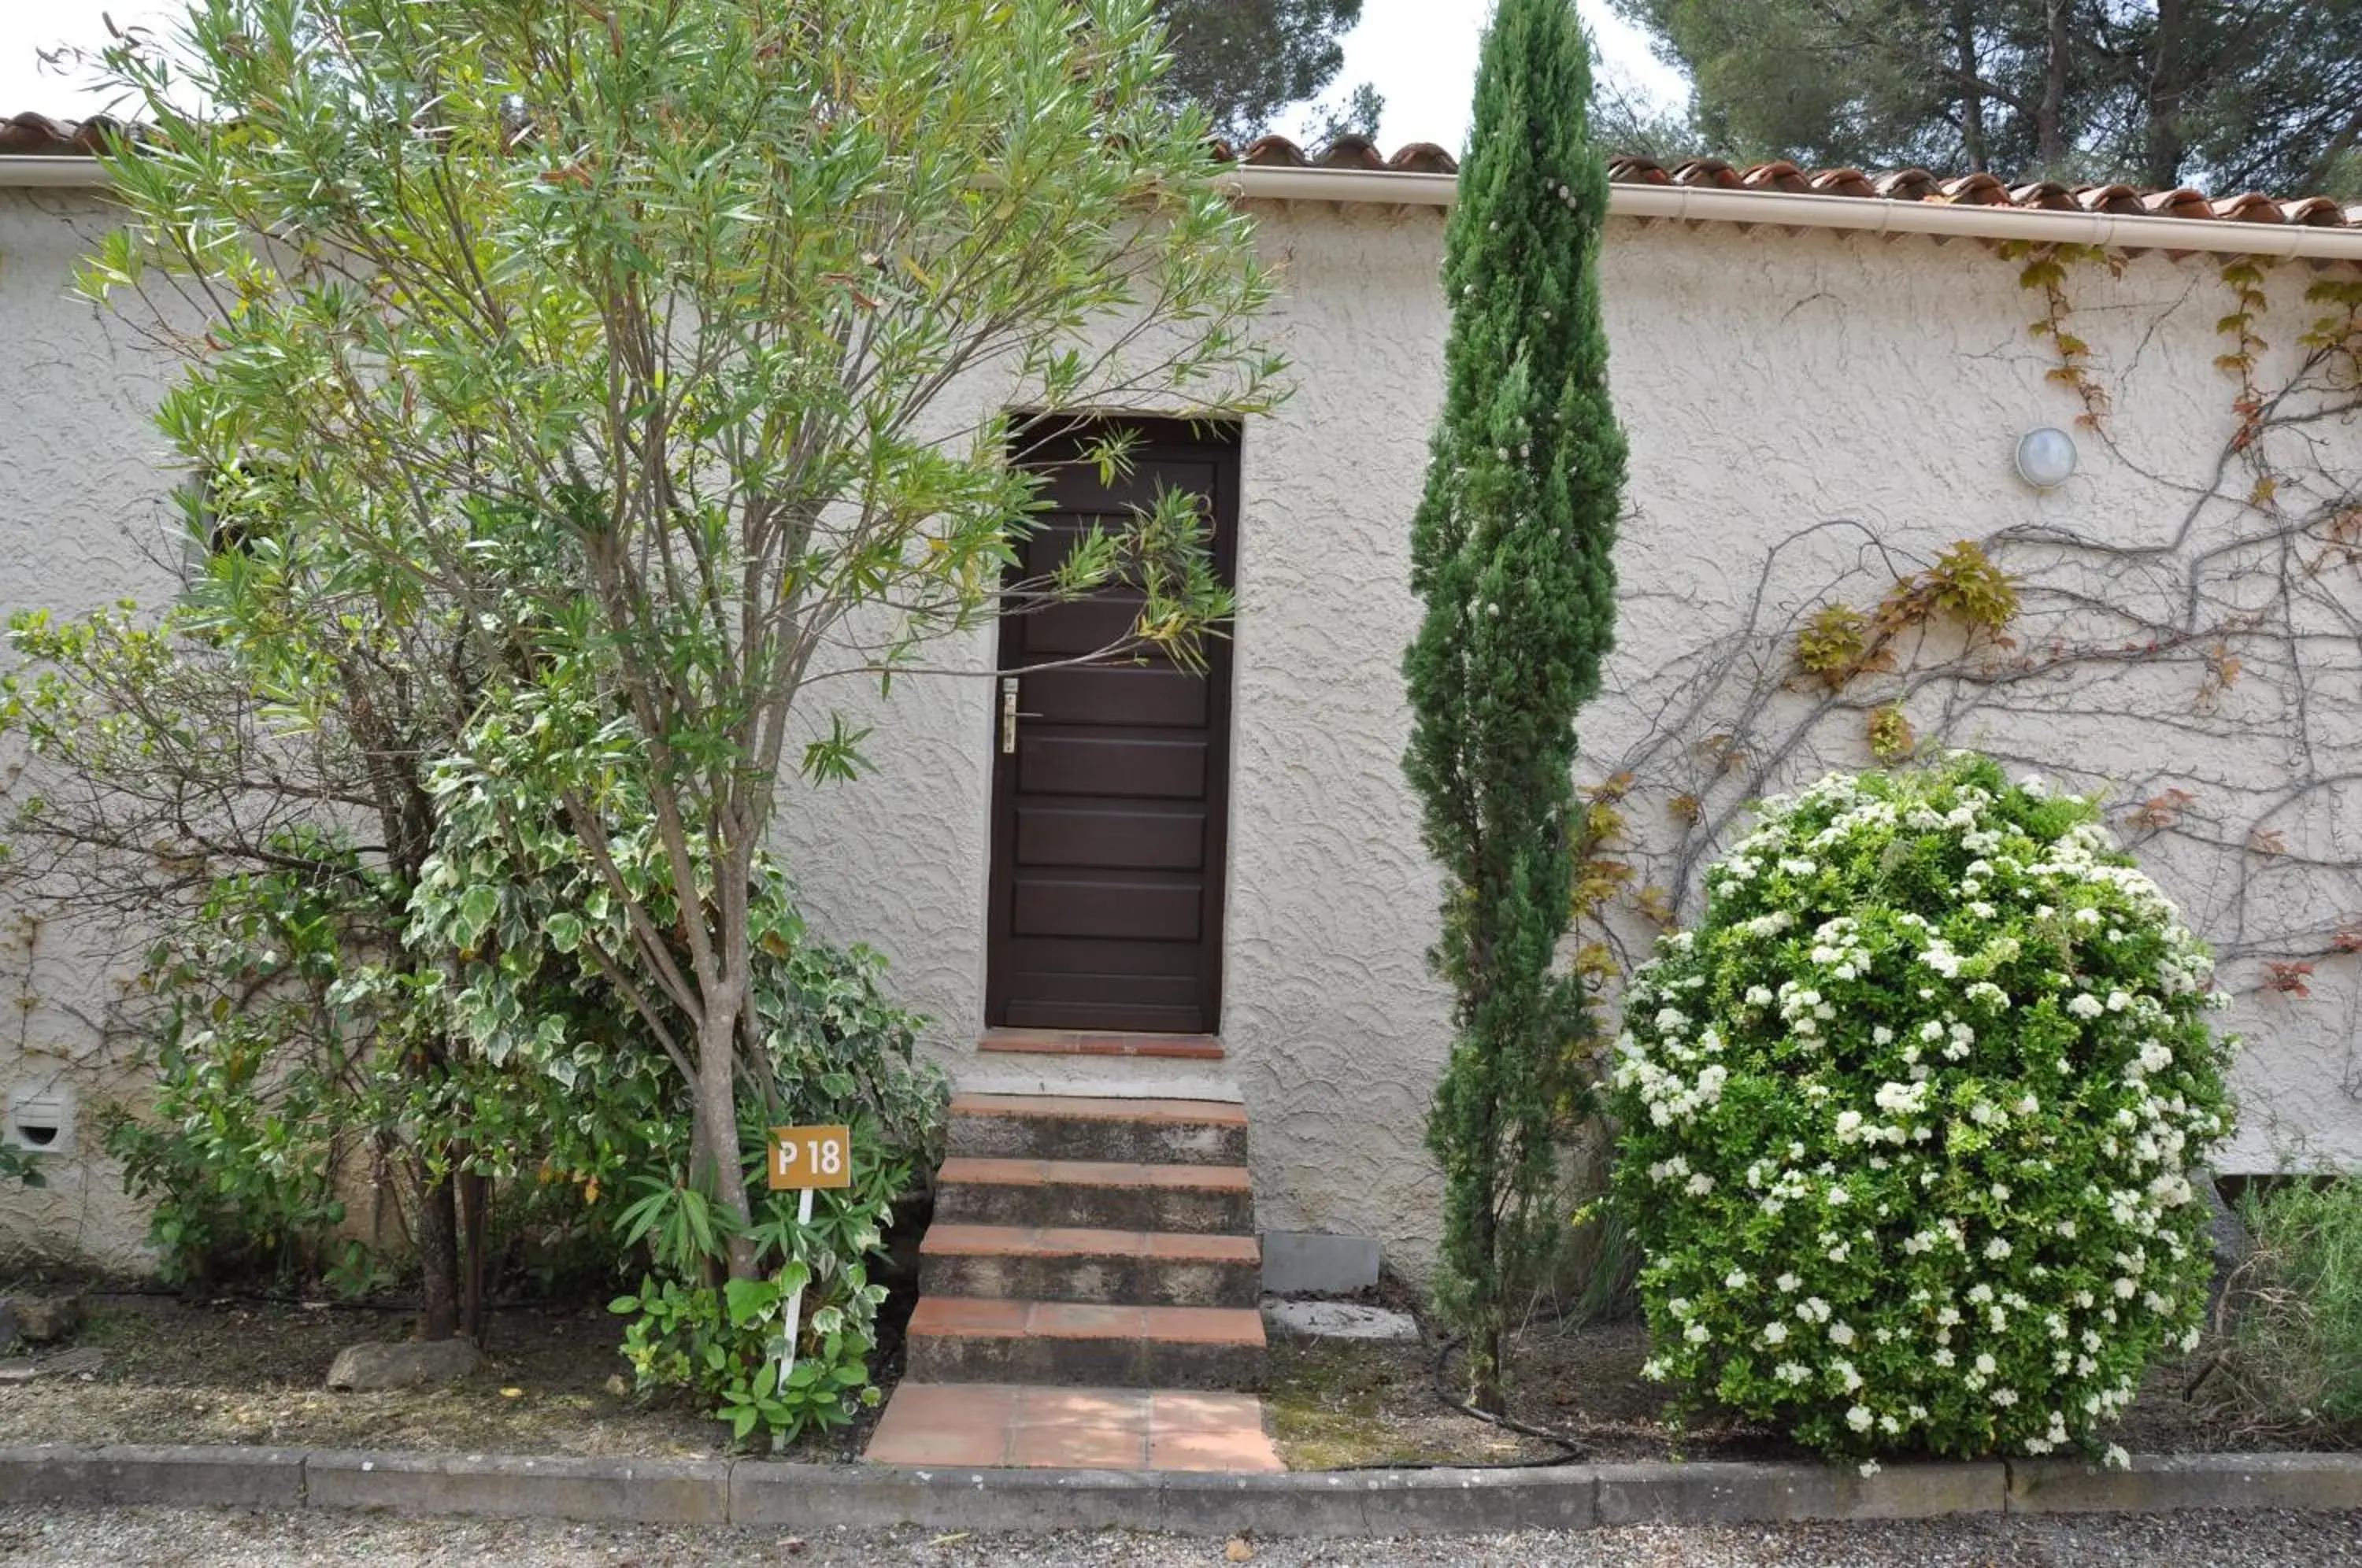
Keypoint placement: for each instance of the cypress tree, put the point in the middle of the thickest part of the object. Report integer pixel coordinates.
(1510, 550)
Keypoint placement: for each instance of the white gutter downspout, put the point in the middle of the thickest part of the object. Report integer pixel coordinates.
(1863, 214)
(1681, 204)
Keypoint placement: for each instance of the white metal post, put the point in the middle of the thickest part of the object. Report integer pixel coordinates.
(795, 1298)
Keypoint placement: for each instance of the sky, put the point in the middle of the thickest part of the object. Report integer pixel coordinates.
(1419, 54)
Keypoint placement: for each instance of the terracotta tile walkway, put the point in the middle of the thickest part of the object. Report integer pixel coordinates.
(997, 1424)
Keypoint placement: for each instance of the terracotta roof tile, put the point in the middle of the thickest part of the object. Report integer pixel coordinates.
(1781, 176)
(30, 135)
(2048, 195)
(38, 134)
(1906, 185)
(2121, 201)
(1843, 182)
(2183, 203)
(1974, 191)
(2249, 206)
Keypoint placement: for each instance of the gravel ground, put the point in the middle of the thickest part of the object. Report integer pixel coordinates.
(62, 1538)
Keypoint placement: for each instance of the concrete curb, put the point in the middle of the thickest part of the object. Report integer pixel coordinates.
(1318, 1503)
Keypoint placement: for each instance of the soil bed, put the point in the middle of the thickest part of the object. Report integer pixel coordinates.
(1335, 1403)
(552, 1383)
(239, 1371)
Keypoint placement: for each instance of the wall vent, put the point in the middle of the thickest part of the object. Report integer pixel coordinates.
(38, 1120)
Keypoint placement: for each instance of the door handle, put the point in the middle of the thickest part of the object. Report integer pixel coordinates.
(1009, 715)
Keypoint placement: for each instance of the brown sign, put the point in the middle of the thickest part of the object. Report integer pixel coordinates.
(811, 1157)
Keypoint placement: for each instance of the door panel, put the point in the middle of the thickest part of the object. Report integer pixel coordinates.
(1112, 766)
(1110, 816)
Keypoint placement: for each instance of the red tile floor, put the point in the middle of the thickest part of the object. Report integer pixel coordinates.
(957, 1424)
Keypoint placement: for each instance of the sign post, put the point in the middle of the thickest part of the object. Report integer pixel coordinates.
(806, 1158)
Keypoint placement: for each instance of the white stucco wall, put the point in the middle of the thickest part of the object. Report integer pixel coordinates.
(83, 520)
(1769, 382)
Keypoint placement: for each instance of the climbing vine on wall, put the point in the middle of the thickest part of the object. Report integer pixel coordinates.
(2202, 666)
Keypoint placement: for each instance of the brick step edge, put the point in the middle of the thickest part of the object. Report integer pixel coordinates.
(1312, 1503)
(1109, 1267)
(1097, 1128)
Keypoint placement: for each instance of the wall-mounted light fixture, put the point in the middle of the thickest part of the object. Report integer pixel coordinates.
(2045, 457)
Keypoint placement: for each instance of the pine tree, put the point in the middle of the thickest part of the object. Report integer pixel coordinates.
(1510, 549)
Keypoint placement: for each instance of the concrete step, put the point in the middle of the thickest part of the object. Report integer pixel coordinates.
(1104, 1195)
(962, 1339)
(1117, 1267)
(1093, 1127)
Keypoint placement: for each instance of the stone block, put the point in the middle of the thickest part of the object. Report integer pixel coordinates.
(411, 1364)
(1723, 1493)
(1306, 1263)
(42, 1320)
(180, 1476)
(814, 1497)
(647, 1491)
(2157, 1483)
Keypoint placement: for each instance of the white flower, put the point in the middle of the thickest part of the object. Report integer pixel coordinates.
(1787, 1282)
(1985, 1363)
(1859, 1417)
(1735, 1280)
(1775, 1332)
(1868, 1467)
(2083, 1004)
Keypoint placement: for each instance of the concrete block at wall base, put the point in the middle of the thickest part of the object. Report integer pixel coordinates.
(2157, 1483)
(1306, 1263)
(1742, 1494)
(678, 1491)
(811, 1497)
(179, 1476)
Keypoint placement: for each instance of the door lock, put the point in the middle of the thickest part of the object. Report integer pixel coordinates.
(1009, 715)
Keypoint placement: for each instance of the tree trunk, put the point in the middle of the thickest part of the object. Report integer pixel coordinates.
(439, 1255)
(475, 1207)
(713, 1139)
(2049, 132)
(2162, 147)
(1972, 96)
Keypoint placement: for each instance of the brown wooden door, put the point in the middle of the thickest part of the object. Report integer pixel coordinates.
(1109, 815)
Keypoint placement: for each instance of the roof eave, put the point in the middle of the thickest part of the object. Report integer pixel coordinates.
(1690, 204)
(1866, 215)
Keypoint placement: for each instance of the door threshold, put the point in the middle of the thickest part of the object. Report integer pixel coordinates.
(1101, 1043)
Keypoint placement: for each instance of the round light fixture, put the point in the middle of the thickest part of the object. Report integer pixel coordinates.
(2045, 457)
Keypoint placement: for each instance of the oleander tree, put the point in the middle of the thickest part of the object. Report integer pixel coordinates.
(1511, 551)
(669, 342)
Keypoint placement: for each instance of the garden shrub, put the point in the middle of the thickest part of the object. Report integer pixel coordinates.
(1909, 1118)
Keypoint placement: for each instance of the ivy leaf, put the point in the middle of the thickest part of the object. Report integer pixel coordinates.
(477, 907)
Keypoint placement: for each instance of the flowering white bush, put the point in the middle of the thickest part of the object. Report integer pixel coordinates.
(1909, 1121)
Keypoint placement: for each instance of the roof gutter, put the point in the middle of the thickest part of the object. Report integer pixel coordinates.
(54, 171)
(1695, 203)
(1681, 203)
